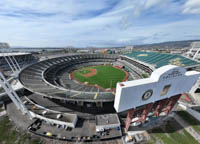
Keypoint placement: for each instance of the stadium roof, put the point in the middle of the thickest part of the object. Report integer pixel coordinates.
(13, 54)
(160, 59)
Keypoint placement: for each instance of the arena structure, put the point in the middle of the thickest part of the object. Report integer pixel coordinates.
(10, 58)
(85, 112)
(52, 78)
(155, 59)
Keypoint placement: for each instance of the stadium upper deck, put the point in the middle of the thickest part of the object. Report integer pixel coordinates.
(160, 59)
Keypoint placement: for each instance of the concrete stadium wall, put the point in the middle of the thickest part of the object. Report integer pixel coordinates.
(164, 82)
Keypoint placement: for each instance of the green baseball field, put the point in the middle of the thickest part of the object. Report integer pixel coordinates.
(105, 76)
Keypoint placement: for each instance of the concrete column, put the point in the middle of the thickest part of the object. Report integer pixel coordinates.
(160, 106)
(146, 111)
(128, 118)
(172, 101)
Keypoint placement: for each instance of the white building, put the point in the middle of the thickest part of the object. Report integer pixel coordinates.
(156, 94)
(4, 45)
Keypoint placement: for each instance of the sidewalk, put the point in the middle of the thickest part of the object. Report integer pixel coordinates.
(187, 127)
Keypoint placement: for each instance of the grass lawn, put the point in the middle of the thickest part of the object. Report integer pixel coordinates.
(190, 120)
(145, 75)
(170, 135)
(106, 77)
(8, 135)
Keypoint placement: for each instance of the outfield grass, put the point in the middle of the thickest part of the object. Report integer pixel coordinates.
(8, 135)
(171, 136)
(106, 77)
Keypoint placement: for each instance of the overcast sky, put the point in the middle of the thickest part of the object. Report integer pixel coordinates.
(82, 23)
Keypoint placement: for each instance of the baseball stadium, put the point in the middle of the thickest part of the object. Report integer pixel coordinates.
(78, 97)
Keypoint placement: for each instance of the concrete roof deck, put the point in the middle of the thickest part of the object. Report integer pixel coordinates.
(50, 114)
(13, 54)
(107, 119)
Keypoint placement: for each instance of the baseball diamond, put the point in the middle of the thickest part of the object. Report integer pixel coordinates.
(104, 76)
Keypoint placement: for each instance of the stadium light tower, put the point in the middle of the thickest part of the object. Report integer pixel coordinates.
(195, 49)
(13, 96)
(15, 68)
(13, 64)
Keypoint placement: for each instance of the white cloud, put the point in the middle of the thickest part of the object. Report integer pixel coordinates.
(151, 3)
(192, 7)
(97, 23)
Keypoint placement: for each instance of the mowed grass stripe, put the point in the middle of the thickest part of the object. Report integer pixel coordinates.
(106, 76)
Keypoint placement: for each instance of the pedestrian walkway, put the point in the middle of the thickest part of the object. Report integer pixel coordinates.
(187, 127)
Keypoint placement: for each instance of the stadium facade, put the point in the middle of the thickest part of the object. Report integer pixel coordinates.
(21, 58)
(53, 98)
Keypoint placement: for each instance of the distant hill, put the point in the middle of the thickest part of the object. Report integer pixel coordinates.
(164, 45)
(167, 45)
